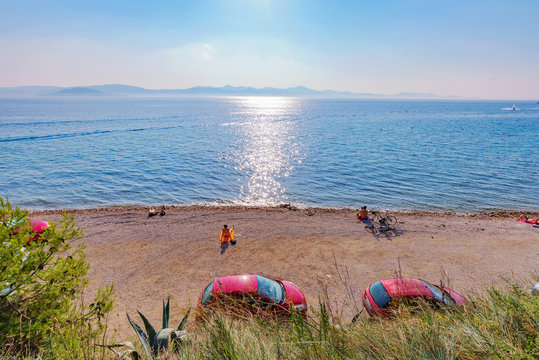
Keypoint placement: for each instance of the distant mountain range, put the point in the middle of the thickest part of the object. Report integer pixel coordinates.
(126, 90)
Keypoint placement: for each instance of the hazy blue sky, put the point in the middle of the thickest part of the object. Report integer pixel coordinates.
(487, 49)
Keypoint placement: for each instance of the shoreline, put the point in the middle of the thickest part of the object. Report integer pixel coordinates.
(291, 207)
(176, 255)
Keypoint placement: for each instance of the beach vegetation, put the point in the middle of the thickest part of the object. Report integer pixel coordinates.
(43, 306)
(154, 342)
(501, 323)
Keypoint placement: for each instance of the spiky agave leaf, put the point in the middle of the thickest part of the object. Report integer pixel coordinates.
(163, 338)
(149, 330)
(142, 337)
(129, 353)
(166, 310)
(184, 320)
(127, 344)
(181, 337)
(166, 337)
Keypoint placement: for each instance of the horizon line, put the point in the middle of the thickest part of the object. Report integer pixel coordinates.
(341, 93)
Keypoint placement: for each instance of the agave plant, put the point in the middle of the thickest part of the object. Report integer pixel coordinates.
(153, 341)
(128, 351)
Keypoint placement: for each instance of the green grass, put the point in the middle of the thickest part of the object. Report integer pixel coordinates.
(500, 324)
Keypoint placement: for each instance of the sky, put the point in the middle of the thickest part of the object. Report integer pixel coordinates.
(482, 49)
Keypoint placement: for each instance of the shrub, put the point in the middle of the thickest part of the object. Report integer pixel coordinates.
(42, 308)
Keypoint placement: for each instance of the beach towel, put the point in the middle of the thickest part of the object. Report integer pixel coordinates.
(529, 223)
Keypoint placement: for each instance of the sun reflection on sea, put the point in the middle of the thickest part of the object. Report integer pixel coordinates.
(267, 150)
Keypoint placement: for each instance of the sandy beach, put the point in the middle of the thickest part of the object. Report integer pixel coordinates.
(323, 251)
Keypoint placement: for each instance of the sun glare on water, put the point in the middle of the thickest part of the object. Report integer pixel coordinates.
(268, 150)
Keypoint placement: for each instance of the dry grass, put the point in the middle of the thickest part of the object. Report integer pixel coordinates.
(503, 324)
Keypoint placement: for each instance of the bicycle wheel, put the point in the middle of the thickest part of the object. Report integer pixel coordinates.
(391, 219)
(371, 229)
(376, 217)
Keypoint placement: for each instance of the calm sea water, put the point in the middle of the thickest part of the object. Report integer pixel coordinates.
(425, 155)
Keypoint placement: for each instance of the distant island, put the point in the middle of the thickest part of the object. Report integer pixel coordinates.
(200, 91)
(80, 91)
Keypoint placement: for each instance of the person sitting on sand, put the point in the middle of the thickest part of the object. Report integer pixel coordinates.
(528, 220)
(363, 214)
(152, 212)
(163, 210)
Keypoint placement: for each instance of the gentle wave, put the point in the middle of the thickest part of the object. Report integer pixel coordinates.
(97, 132)
(401, 155)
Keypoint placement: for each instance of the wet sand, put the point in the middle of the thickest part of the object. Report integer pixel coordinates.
(325, 252)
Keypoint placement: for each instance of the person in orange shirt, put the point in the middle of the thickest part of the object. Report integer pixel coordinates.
(226, 234)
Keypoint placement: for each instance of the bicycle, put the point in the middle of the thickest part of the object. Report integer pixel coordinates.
(381, 223)
(386, 218)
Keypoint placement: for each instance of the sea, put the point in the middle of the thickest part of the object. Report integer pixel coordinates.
(457, 156)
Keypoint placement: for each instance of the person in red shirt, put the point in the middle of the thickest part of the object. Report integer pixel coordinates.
(362, 214)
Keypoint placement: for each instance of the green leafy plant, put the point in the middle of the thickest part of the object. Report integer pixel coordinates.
(166, 338)
(42, 289)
